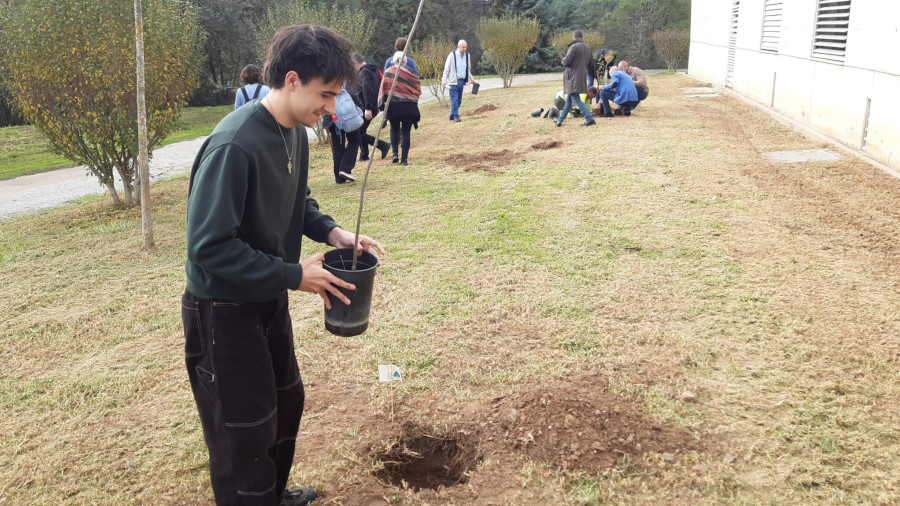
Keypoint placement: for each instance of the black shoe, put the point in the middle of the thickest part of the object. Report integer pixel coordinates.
(384, 151)
(558, 123)
(627, 111)
(618, 112)
(395, 159)
(457, 120)
(298, 497)
(404, 163)
(363, 158)
(589, 123)
(609, 115)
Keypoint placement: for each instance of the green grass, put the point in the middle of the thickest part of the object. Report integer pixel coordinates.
(23, 150)
(558, 265)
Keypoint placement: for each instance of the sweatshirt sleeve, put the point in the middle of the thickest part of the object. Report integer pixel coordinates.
(317, 225)
(215, 207)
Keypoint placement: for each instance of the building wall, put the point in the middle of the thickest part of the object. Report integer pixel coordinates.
(829, 97)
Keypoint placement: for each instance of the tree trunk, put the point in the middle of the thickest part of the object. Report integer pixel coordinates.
(143, 168)
(111, 187)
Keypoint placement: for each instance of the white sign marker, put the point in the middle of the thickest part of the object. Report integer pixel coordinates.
(389, 373)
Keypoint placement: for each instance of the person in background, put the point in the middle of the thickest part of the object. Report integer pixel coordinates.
(248, 208)
(252, 88)
(344, 145)
(640, 81)
(403, 111)
(399, 44)
(620, 90)
(457, 71)
(370, 78)
(577, 61)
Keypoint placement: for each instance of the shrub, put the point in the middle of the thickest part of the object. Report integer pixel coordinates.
(73, 77)
(506, 42)
(673, 47)
(430, 58)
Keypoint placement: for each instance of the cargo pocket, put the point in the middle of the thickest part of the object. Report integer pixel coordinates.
(193, 333)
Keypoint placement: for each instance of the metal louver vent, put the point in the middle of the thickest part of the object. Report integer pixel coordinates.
(771, 30)
(732, 44)
(832, 22)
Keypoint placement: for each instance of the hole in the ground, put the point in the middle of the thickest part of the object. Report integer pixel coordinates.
(426, 459)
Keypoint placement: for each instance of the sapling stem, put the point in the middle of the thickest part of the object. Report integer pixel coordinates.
(387, 103)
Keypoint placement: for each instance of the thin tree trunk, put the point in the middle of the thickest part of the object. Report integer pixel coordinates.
(143, 169)
(111, 187)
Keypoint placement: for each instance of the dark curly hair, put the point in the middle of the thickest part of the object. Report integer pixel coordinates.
(310, 51)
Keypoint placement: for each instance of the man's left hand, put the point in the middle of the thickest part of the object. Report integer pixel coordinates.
(340, 238)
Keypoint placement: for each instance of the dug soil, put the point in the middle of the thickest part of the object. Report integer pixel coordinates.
(434, 452)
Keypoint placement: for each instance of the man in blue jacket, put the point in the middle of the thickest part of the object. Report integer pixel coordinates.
(620, 90)
(248, 209)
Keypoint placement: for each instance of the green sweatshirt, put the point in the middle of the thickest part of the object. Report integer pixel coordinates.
(246, 215)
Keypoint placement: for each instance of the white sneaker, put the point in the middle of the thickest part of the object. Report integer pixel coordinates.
(347, 176)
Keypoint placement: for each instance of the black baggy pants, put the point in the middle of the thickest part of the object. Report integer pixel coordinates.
(367, 140)
(247, 386)
(344, 148)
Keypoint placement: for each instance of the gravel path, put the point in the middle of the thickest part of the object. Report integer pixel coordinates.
(27, 194)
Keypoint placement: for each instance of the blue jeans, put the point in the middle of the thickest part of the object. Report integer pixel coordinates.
(456, 94)
(642, 94)
(574, 98)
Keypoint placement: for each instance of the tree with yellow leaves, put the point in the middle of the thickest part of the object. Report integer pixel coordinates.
(69, 66)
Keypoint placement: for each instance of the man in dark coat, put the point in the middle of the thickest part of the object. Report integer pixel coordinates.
(370, 84)
(577, 62)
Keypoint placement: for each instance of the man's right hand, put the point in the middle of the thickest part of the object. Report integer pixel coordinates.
(368, 115)
(319, 281)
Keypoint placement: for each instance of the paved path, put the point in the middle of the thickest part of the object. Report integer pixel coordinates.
(27, 194)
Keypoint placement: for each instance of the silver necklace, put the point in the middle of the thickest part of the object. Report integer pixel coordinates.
(290, 154)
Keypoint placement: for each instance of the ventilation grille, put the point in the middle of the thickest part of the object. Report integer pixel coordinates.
(771, 31)
(732, 44)
(832, 21)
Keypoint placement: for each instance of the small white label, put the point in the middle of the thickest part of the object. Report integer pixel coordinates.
(389, 373)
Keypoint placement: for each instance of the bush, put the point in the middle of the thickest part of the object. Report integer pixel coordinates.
(430, 58)
(74, 77)
(506, 42)
(673, 47)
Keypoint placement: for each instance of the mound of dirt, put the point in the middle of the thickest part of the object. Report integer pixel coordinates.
(547, 144)
(483, 109)
(576, 426)
(486, 161)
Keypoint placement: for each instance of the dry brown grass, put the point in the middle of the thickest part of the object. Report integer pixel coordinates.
(769, 293)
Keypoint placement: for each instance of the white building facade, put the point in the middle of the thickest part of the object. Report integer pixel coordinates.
(833, 65)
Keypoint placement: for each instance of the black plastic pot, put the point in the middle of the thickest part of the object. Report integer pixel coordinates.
(352, 319)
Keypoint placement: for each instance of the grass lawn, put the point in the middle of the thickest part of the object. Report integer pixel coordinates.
(641, 312)
(23, 150)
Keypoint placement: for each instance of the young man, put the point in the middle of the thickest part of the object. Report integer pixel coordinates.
(457, 71)
(576, 61)
(248, 208)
